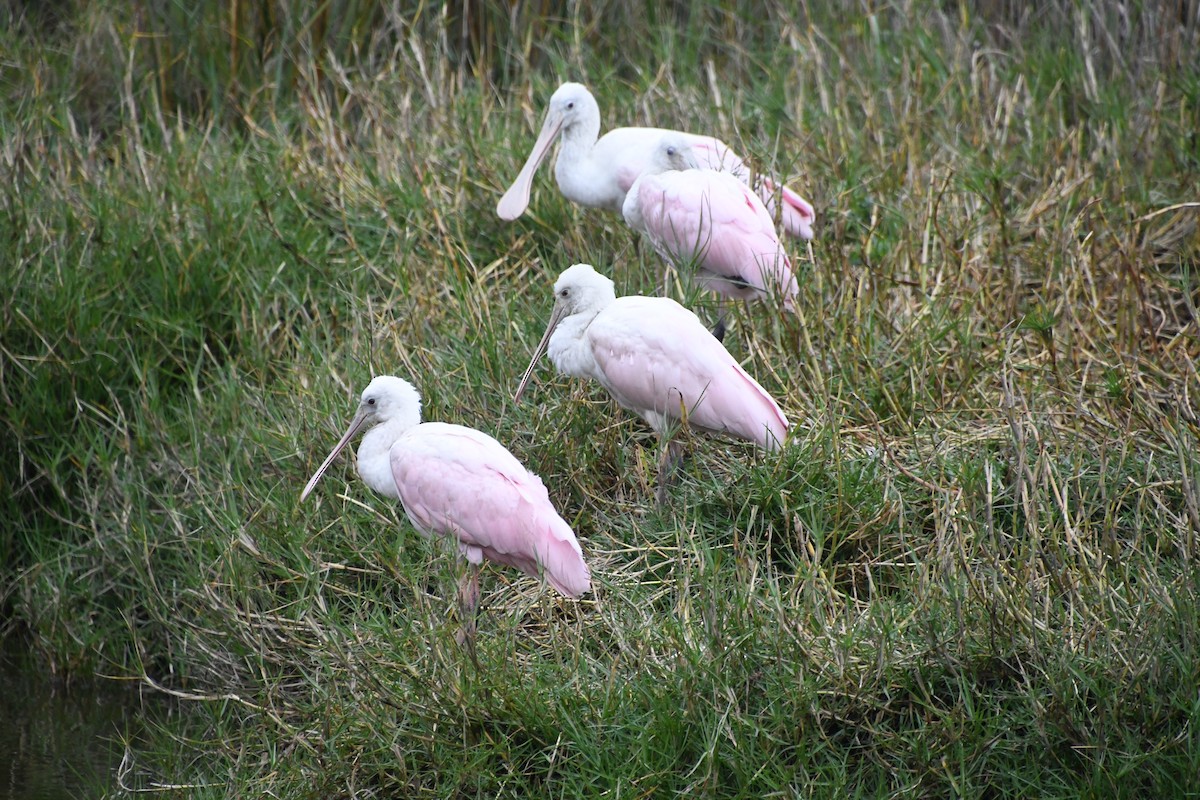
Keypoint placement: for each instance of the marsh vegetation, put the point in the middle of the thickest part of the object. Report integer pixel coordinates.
(972, 572)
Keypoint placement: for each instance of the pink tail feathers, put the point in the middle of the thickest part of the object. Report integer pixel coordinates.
(561, 559)
(565, 569)
(796, 213)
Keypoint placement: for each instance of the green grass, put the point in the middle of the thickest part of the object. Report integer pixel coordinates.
(973, 572)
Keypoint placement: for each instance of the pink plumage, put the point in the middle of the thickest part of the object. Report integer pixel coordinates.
(636, 156)
(597, 171)
(456, 481)
(711, 222)
(655, 358)
(459, 482)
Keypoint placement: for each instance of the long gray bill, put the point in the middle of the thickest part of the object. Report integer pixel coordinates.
(355, 424)
(555, 318)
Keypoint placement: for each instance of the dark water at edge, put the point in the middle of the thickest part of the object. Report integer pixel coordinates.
(61, 739)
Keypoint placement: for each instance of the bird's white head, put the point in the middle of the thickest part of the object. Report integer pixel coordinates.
(574, 115)
(578, 290)
(387, 399)
(573, 105)
(673, 153)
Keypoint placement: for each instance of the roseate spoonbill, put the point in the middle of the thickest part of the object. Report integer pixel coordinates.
(711, 221)
(657, 359)
(463, 484)
(597, 171)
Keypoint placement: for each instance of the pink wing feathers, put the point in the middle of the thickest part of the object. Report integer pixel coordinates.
(629, 151)
(716, 220)
(655, 354)
(716, 155)
(796, 213)
(456, 481)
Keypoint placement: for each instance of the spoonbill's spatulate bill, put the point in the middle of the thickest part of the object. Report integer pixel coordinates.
(597, 171)
(656, 359)
(710, 221)
(458, 482)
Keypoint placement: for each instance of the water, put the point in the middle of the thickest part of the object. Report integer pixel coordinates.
(60, 740)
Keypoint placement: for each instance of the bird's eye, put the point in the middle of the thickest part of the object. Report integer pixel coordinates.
(570, 105)
(370, 401)
(670, 151)
(564, 293)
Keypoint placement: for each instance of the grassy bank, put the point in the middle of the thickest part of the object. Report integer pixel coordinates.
(972, 573)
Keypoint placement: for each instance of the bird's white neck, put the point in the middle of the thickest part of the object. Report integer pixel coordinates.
(374, 459)
(581, 135)
(569, 349)
(580, 177)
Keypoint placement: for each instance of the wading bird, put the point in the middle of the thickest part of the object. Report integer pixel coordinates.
(711, 222)
(460, 483)
(656, 359)
(597, 171)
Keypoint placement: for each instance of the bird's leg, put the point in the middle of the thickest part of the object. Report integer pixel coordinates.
(468, 606)
(719, 329)
(672, 454)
